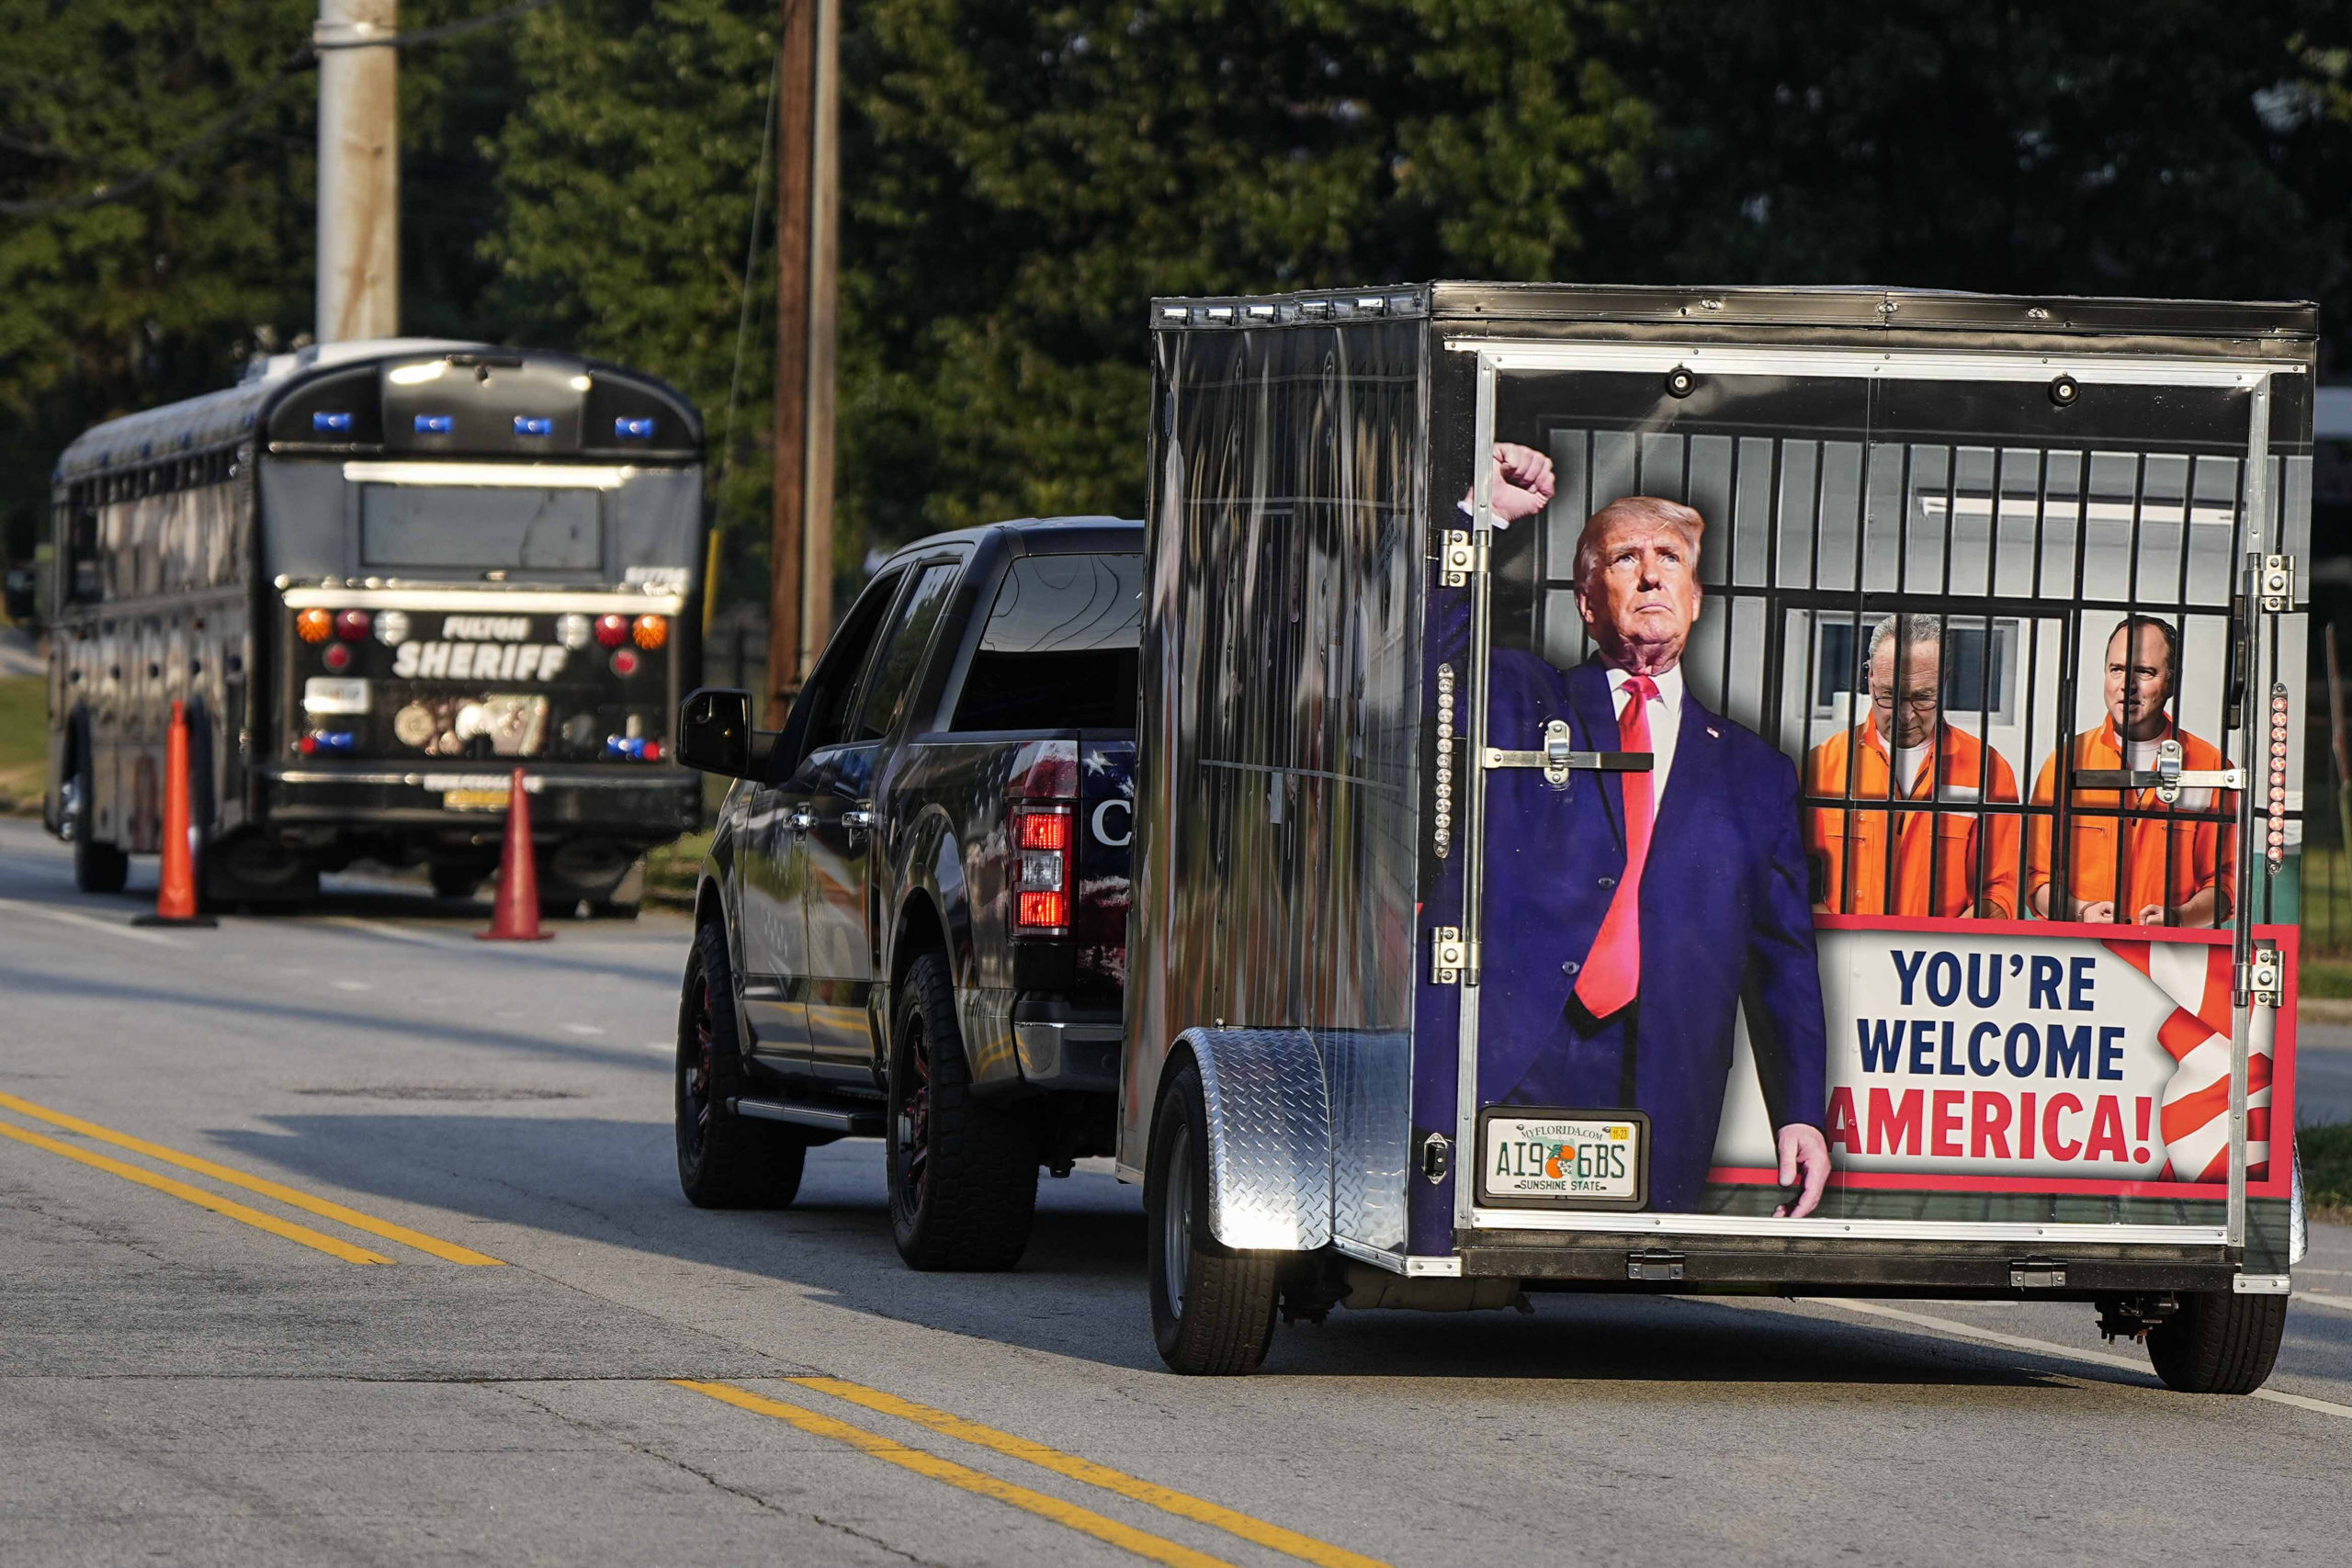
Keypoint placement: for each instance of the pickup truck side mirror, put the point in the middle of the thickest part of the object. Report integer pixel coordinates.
(715, 733)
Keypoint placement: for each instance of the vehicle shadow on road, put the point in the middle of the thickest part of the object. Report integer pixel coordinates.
(1079, 1290)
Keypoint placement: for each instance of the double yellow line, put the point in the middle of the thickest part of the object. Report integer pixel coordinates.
(319, 1241)
(1086, 1521)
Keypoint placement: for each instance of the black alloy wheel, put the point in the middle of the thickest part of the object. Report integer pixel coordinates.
(724, 1160)
(962, 1173)
(1212, 1307)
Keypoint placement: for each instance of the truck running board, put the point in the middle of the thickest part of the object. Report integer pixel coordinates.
(848, 1120)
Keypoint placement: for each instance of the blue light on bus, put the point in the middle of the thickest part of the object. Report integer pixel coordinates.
(319, 740)
(633, 429)
(330, 421)
(533, 425)
(435, 423)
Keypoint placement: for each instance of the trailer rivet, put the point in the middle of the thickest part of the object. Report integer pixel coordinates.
(2064, 390)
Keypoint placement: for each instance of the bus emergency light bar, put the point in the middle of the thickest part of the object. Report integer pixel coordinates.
(518, 476)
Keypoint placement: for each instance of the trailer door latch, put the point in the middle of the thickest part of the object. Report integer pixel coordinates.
(1559, 757)
(2167, 778)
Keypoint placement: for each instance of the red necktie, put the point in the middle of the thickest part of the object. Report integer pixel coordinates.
(1612, 970)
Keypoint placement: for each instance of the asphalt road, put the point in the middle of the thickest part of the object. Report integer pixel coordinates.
(634, 1382)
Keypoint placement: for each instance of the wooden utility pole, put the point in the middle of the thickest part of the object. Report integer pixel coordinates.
(359, 170)
(808, 250)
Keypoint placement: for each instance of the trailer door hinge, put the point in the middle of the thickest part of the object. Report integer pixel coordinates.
(1459, 556)
(2278, 584)
(1449, 955)
(2263, 980)
(2037, 1274)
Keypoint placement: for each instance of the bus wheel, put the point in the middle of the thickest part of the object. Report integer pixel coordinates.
(1212, 1309)
(962, 1174)
(455, 881)
(98, 868)
(2218, 1342)
(724, 1161)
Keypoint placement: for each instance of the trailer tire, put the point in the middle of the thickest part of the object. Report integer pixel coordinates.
(962, 1173)
(1212, 1308)
(724, 1160)
(2218, 1342)
(98, 868)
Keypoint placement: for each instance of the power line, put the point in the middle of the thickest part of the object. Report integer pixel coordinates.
(299, 61)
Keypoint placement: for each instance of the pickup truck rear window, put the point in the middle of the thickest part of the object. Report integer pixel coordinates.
(1058, 652)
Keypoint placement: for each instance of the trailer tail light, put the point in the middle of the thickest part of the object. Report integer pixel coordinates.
(651, 632)
(314, 626)
(1041, 837)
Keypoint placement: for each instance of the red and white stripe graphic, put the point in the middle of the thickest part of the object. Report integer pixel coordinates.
(2196, 1115)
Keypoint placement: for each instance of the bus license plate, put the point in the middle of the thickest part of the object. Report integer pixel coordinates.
(1567, 1157)
(474, 799)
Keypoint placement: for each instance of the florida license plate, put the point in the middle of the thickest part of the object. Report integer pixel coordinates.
(1564, 1159)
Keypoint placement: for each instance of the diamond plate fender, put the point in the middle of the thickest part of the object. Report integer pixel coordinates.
(1270, 1138)
(1369, 1075)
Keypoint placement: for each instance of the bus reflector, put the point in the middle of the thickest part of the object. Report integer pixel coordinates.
(352, 626)
(625, 661)
(651, 632)
(334, 421)
(534, 424)
(612, 630)
(633, 429)
(435, 423)
(314, 626)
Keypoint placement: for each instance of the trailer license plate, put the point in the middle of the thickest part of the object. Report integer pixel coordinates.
(474, 799)
(1570, 1159)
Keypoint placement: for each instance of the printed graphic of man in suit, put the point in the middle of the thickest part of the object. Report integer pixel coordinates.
(1630, 915)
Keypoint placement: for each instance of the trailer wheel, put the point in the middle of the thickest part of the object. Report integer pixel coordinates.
(962, 1173)
(98, 868)
(2218, 1342)
(1212, 1309)
(724, 1161)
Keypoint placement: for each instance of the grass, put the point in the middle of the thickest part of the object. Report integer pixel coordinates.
(2326, 1153)
(23, 741)
(670, 872)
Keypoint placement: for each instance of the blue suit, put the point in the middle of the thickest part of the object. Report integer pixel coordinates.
(1725, 918)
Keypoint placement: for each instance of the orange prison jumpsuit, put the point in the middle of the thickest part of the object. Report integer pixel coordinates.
(2200, 831)
(1936, 853)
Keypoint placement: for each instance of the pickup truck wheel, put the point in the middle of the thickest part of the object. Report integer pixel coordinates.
(724, 1161)
(963, 1174)
(1212, 1309)
(2218, 1342)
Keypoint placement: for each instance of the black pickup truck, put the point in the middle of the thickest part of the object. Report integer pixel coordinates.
(913, 919)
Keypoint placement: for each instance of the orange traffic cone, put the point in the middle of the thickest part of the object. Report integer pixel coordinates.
(516, 916)
(175, 897)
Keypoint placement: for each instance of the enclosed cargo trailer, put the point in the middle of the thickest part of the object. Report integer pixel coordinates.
(1760, 790)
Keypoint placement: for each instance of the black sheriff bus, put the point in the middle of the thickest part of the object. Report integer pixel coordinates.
(381, 576)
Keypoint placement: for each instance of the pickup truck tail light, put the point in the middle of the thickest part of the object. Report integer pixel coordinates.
(1041, 837)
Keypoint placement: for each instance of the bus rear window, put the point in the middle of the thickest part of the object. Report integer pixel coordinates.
(1058, 652)
(481, 526)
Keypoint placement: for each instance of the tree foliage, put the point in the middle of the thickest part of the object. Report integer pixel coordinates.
(1019, 180)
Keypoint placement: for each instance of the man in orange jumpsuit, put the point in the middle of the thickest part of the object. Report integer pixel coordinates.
(2177, 861)
(1952, 864)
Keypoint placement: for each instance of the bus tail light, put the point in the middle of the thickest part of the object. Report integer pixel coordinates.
(612, 630)
(337, 657)
(314, 626)
(1041, 835)
(651, 632)
(352, 626)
